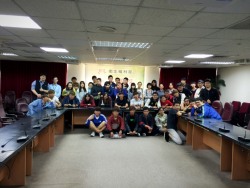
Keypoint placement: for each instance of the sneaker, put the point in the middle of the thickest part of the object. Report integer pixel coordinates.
(144, 134)
(101, 135)
(92, 134)
(166, 136)
(138, 134)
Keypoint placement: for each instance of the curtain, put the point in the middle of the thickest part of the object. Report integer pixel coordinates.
(18, 75)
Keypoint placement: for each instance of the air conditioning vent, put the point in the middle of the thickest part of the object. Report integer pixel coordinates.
(242, 61)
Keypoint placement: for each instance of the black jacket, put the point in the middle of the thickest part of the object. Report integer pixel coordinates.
(211, 94)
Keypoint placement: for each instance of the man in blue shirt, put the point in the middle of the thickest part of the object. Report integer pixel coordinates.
(57, 88)
(39, 87)
(71, 100)
(97, 123)
(40, 104)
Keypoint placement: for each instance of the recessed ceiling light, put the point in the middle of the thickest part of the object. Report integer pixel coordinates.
(18, 21)
(198, 56)
(174, 61)
(121, 44)
(8, 54)
(48, 49)
(111, 59)
(107, 29)
(217, 63)
(67, 57)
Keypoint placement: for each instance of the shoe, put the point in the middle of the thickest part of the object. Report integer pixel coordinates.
(144, 134)
(138, 134)
(92, 134)
(166, 136)
(101, 135)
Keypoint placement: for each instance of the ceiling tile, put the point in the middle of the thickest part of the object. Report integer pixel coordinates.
(67, 34)
(4, 32)
(106, 37)
(107, 13)
(231, 34)
(140, 38)
(40, 40)
(177, 40)
(28, 32)
(10, 8)
(191, 32)
(73, 42)
(50, 8)
(149, 30)
(115, 2)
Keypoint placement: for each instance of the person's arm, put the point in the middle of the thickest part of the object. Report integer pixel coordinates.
(158, 104)
(32, 106)
(157, 122)
(122, 123)
(65, 102)
(92, 102)
(126, 123)
(147, 103)
(132, 102)
(151, 121)
(77, 102)
(33, 86)
(109, 124)
(94, 91)
(141, 122)
(59, 91)
(65, 92)
(169, 103)
(126, 105)
(142, 103)
(78, 94)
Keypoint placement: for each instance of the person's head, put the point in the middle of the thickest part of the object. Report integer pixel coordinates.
(161, 86)
(94, 78)
(119, 86)
(97, 111)
(125, 80)
(183, 81)
(179, 86)
(110, 78)
(51, 94)
(135, 95)
(163, 98)
(167, 93)
(149, 85)
(160, 111)
(208, 83)
(200, 83)
(121, 95)
(117, 80)
(69, 86)
(133, 86)
(199, 102)
(175, 93)
(176, 106)
(145, 111)
(75, 85)
(154, 83)
(82, 84)
(171, 85)
(192, 102)
(55, 80)
(71, 95)
(90, 85)
(87, 97)
(107, 85)
(115, 112)
(42, 77)
(132, 110)
(139, 84)
(73, 79)
(99, 81)
(193, 85)
(105, 95)
(155, 96)
(186, 101)
(45, 98)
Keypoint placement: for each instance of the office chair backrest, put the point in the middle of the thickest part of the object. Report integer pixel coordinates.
(217, 105)
(227, 112)
(28, 96)
(22, 107)
(9, 100)
(236, 105)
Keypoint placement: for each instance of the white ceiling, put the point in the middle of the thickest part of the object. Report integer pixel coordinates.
(174, 27)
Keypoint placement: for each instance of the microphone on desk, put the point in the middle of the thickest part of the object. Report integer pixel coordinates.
(23, 138)
(224, 129)
(244, 139)
(3, 145)
(3, 151)
(37, 126)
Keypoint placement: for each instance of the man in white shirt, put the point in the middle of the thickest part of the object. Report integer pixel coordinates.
(136, 101)
(200, 87)
(57, 88)
(154, 101)
(54, 99)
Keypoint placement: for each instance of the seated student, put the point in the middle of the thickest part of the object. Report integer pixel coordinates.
(185, 104)
(136, 101)
(87, 101)
(90, 86)
(117, 81)
(140, 90)
(172, 120)
(109, 90)
(121, 101)
(68, 89)
(131, 91)
(200, 87)
(178, 97)
(205, 110)
(146, 122)
(96, 91)
(161, 123)
(119, 89)
(188, 105)
(105, 101)
(110, 81)
(183, 90)
(165, 104)
(115, 124)
(71, 100)
(54, 99)
(97, 123)
(171, 88)
(148, 92)
(154, 101)
(168, 95)
(125, 83)
(154, 85)
(161, 90)
(81, 91)
(40, 104)
(131, 122)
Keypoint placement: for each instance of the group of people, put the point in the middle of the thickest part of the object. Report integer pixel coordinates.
(169, 104)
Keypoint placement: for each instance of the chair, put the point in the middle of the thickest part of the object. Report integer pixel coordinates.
(6, 119)
(21, 100)
(244, 109)
(248, 126)
(22, 109)
(227, 112)
(9, 101)
(236, 106)
(217, 105)
(28, 96)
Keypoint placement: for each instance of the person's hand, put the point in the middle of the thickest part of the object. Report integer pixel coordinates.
(120, 133)
(208, 101)
(91, 117)
(150, 128)
(130, 132)
(195, 113)
(99, 93)
(66, 105)
(41, 89)
(134, 132)
(179, 113)
(74, 105)
(39, 95)
(111, 135)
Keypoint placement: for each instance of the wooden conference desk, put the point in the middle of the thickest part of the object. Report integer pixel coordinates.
(234, 154)
(16, 157)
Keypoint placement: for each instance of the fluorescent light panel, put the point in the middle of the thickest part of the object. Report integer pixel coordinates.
(174, 61)
(18, 21)
(48, 49)
(198, 56)
(8, 54)
(111, 59)
(120, 44)
(217, 63)
(67, 57)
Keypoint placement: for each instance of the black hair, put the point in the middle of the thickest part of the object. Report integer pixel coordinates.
(135, 93)
(110, 76)
(115, 109)
(125, 78)
(72, 93)
(117, 78)
(98, 109)
(149, 84)
(94, 77)
(67, 86)
(155, 93)
(42, 74)
(145, 108)
(159, 110)
(73, 78)
(176, 103)
(80, 88)
(99, 79)
(134, 90)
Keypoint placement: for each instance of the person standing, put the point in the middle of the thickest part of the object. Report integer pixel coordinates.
(56, 87)
(39, 87)
(209, 94)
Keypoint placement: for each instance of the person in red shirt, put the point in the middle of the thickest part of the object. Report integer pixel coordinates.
(87, 101)
(115, 124)
(168, 96)
(165, 104)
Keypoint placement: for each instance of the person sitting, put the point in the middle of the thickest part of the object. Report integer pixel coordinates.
(131, 122)
(183, 90)
(56, 87)
(97, 123)
(117, 81)
(171, 87)
(40, 104)
(154, 101)
(172, 120)
(148, 92)
(178, 97)
(54, 99)
(200, 87)
(168, 95)
(75, 83)
(161, 90)
(87, 101)
(105, 101)
(185, 104)
(68, 89)
(184, 83)
(96, 91)
(161, 123)
(119, 89)
(81, 91)
(115, 124)
(146, 122)
(140, 90)
(165, 104)
(121, 102)
(131, 90)
(204, 110)
(90, 86)
(188, 105)
(71, 100)
(136, 101)
(109, 90)
(125, 83)
(154, 85)
(110, 81)
(209, 94)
